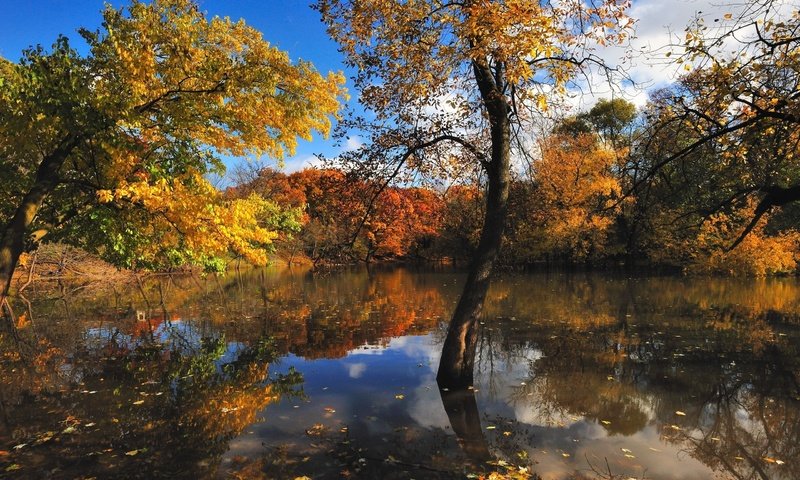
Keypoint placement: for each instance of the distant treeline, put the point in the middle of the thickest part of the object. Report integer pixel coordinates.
(586, 199)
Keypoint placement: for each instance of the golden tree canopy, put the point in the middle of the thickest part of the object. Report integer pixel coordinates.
(128, 134)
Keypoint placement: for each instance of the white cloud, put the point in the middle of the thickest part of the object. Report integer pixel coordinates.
(353, 143)
(658, 23)
(355, 370)
(299, 163)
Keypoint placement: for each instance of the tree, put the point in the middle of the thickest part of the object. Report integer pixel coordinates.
(449, 80)
(109, 151)
(576, 189)
(733, 119)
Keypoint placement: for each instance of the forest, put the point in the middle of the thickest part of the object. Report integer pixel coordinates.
(702, 178)
(578, 203)
(516, 255)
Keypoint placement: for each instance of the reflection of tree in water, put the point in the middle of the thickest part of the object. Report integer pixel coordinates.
(327, 316)
(623, 354)
(727, 367)
(746, 433)
(146, 410)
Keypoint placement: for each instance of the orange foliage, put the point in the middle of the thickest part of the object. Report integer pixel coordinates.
(758, 254)
(348, 217)
(576, 187)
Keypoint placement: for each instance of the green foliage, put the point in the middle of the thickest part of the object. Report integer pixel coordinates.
(124, 137)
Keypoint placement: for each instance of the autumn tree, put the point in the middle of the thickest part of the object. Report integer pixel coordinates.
(402, 221)
(450, 80)
(576, 189)
(732, 120)
(109, 151)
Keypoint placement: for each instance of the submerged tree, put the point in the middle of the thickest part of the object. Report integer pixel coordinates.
(449, 84)
(109, 151)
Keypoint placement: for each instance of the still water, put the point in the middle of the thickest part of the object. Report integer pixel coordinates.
(278, 374)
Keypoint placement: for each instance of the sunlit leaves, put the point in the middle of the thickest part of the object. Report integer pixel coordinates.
(759, 253)
(161, 93)
(577, 190)
(416, 49)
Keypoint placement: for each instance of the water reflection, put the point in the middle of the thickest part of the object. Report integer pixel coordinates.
(579, 376)
(128, 407)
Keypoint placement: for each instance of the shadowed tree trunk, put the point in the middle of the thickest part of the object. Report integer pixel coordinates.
(458, 352)
(12, 242)
(462, 411)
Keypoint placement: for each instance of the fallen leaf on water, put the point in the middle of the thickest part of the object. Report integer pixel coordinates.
(45, 437)
(674, 427)
(330, 410)
(12, 467)
(628, 455)
(490, 427)
(399, 396)
(316, 429)
(625, 450)
(565, 455)
(654, 449)
(680, 413)
(605, 422)
(138, 402)
(132, 453)
(507, 434)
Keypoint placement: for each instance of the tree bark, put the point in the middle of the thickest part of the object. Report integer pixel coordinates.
(458, 352)
(12, 243)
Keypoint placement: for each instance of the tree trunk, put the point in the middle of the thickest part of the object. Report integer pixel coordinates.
(12, 242)
(458, 352)
(462, 411)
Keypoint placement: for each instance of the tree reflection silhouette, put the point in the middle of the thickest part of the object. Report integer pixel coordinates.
(462, 411)
(132, 411)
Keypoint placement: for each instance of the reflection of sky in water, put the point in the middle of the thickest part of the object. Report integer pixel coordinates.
(573, 371)
(364, 386)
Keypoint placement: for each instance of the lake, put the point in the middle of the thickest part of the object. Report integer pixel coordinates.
(285, 374)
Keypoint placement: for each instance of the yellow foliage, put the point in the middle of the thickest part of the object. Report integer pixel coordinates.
(188, 210)
(139, 122)
(422, 48)
(217, 79)
(758, 254)
(577, 188)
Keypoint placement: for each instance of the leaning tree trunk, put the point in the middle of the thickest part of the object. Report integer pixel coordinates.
(458, 352)
(12, 242)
